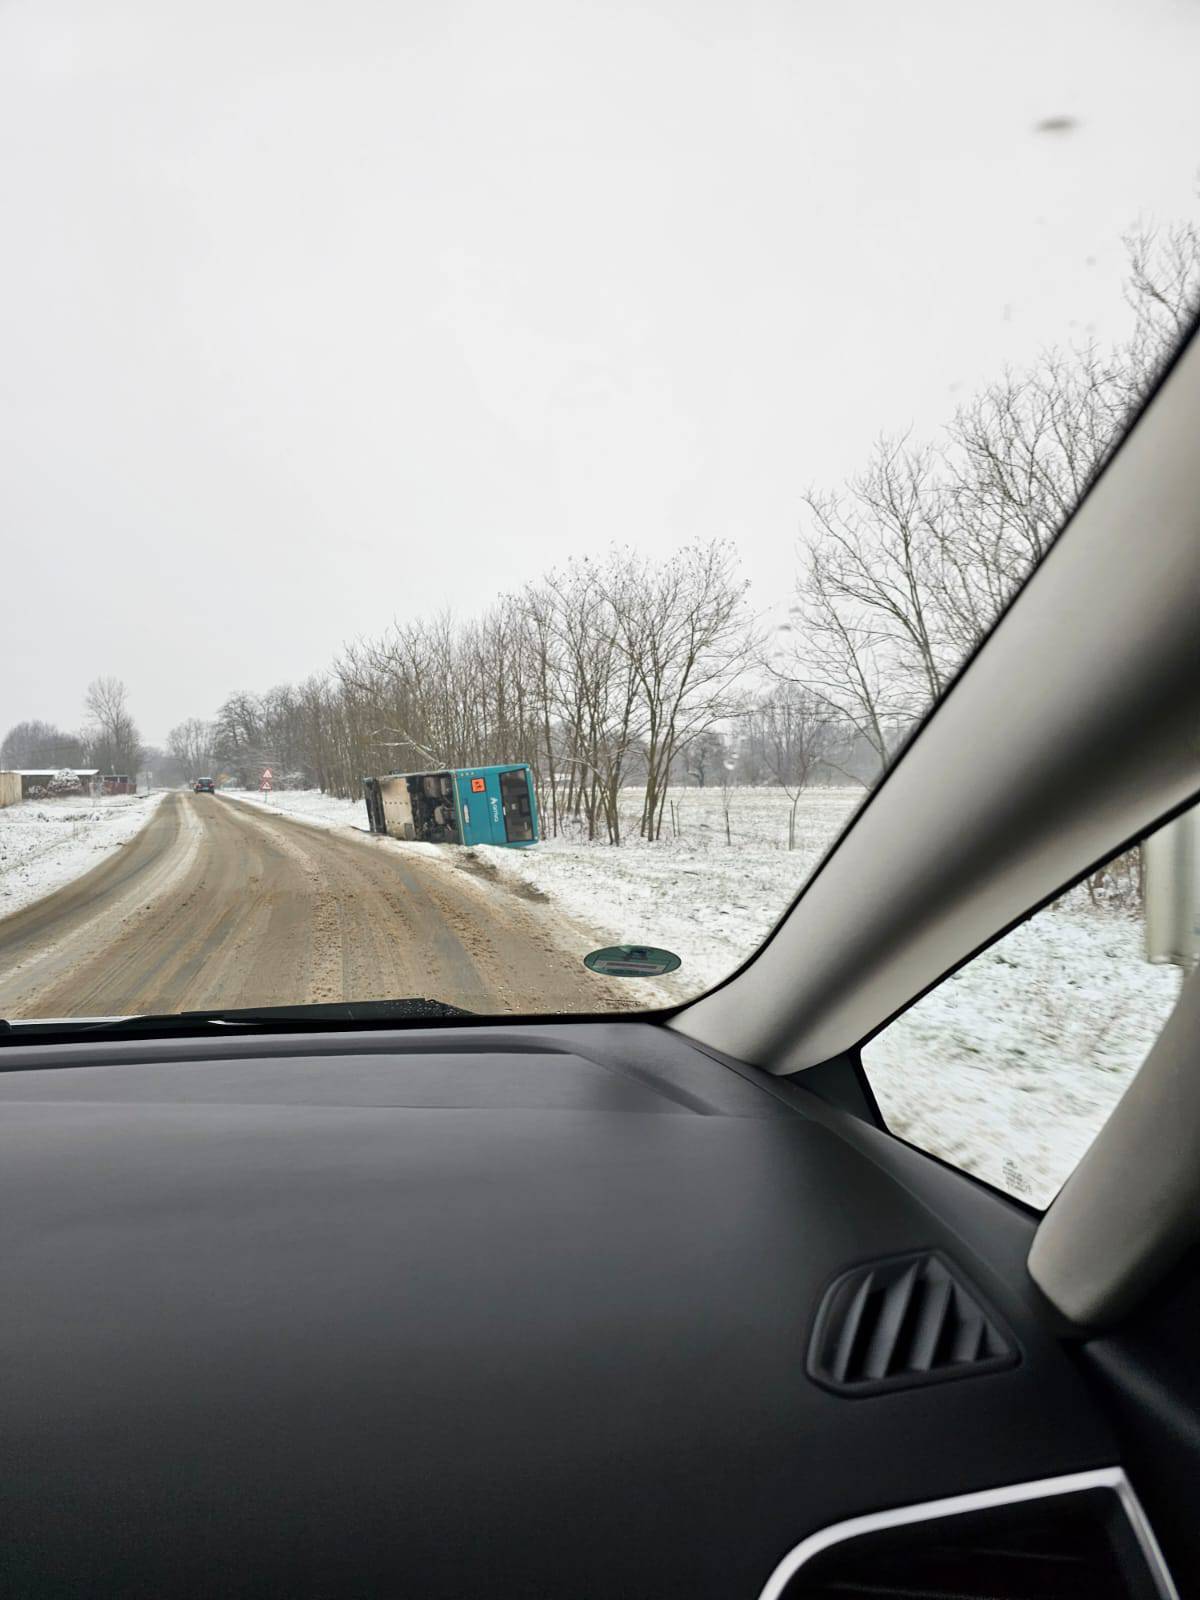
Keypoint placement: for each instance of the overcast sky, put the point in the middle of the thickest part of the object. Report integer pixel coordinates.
(316, 314)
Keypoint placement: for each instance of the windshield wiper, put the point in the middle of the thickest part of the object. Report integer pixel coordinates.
(326, 1014)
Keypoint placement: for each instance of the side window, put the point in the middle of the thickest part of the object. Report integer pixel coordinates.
(1009, 1068)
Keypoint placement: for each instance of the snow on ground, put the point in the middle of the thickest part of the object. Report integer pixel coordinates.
(1008, 1069)
(46, 843)
(710, 901)
(307, 805)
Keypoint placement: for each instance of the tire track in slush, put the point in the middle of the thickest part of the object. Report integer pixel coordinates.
(390, 937)
(218, 904)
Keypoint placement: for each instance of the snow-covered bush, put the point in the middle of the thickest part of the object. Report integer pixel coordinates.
(64, 783)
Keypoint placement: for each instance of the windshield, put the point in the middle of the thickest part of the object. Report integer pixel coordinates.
(487, 484)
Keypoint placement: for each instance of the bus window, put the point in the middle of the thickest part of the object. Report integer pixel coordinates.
(518, 808)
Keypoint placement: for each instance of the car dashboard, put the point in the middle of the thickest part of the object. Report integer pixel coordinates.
(519, 1310)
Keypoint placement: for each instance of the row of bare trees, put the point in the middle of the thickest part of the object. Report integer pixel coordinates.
(599, 674)
(109, 740)
(41, 745)
(905, 568)
(633, 671)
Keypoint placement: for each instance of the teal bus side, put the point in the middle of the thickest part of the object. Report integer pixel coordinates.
(482, 812)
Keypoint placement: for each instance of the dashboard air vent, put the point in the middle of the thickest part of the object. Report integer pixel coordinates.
(907, 1320)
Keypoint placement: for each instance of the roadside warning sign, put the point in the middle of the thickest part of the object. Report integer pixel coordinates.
(265, 785)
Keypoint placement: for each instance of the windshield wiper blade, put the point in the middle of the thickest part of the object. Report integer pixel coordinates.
(414, 1009)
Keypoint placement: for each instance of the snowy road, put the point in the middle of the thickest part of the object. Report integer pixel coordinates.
(218, 904)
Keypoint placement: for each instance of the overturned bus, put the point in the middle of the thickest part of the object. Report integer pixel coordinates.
(466, 805)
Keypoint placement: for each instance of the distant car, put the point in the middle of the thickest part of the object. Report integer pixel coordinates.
(204, 786)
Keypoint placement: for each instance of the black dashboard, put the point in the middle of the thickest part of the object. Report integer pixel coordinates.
(468, 1311)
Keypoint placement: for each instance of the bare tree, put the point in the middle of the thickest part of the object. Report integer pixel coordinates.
(1019, 458)
(868, 638)
(706, 756)
(796, 726)
(596, 705)
(113, 733)
(728, 768)
(905, 571)
(685, 630)
(1163, 288)
(190, 745)
(791, 729)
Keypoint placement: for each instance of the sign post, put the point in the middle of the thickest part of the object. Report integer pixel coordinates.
(266, 783)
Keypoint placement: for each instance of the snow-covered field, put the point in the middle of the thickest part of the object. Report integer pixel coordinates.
(46, 843)
(710, 901)
(1008, 1069)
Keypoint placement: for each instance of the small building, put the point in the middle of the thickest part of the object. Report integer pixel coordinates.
(10, 788)
(39, 778)
(463, 805)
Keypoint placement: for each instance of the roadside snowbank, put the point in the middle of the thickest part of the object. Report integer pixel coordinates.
(710, 901)
(307, 805)
(46, 843)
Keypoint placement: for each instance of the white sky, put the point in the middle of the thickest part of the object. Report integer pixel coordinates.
(316, 314)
